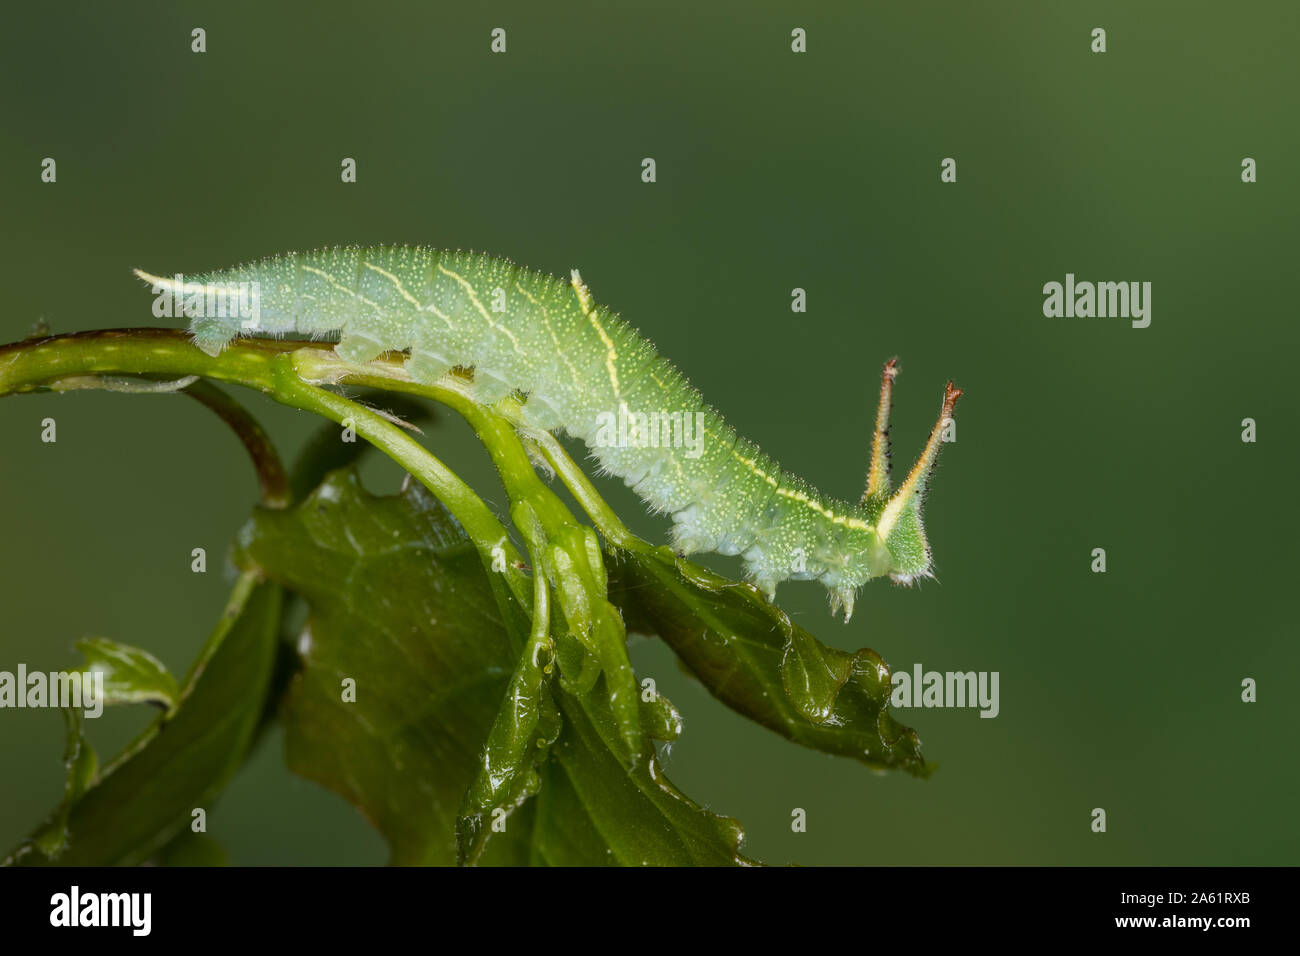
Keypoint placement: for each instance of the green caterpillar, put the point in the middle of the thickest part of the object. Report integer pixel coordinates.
(586, 371)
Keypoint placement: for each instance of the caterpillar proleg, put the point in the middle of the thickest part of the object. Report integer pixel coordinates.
(583, 370)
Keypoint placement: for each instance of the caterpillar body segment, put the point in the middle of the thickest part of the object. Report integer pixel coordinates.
(584, 370)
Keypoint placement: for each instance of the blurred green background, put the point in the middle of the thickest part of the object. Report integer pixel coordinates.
(775, 170)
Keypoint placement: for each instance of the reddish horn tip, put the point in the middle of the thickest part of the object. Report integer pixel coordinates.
(950, 396)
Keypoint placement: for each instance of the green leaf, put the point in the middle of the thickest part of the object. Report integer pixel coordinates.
(750, 656)
(146, 796)
(192, 849)
(526, 724)
(403, 620)
(131, 675)
(590, 811)
(402, 606)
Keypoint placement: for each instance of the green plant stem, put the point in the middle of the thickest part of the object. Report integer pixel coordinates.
(585, 493)
(496, 428)
(268, 366)
(475, 517)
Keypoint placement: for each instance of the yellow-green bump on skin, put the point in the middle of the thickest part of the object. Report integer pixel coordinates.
(582, 369)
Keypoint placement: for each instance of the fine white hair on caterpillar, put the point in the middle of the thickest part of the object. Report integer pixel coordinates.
(587, 372)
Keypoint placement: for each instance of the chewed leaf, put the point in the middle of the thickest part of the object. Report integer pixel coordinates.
(591, 812)
(813, 675)
(130, 675)
(430, 737)
(756, 661)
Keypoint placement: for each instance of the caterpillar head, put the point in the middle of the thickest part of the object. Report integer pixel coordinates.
(885, 534)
